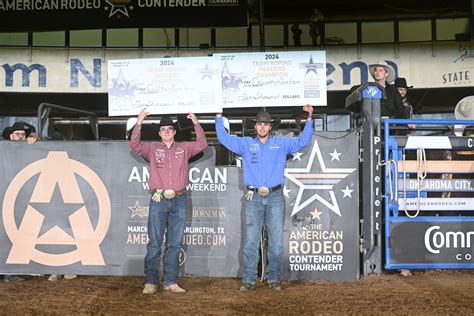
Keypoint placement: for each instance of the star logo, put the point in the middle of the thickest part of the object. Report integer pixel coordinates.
(347, 192)
(286, 192)
(49, 209)
(316, 214)
(118, 7)
(208, 73)
(297, 156)
(305, 179)
(139, 211)
(311, 66)
(335, 155)
(57, 213)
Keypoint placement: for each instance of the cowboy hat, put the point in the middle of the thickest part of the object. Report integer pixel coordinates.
(18, 126)
(388, 68)
(263, 116)
(465, 109)
(402, 83)
(166, 121)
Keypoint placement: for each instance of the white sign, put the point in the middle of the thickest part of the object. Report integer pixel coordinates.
(437, 185)
(273, 79)
(164, 86)
(437, 204)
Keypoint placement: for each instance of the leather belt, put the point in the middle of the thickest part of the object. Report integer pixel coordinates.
(263, 191)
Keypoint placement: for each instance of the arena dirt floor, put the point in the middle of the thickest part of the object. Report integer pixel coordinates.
(426, 292)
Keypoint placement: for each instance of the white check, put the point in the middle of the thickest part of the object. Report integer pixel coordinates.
(164, 85)
(273, 79)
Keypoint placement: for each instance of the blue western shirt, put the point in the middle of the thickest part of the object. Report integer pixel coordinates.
(264, 164)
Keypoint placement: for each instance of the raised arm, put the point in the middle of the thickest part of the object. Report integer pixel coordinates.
(231, 142)
(304, 139)
(201, 141)
(135, 143)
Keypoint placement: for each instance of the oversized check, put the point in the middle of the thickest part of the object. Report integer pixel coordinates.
(164, 85)
(273, 79)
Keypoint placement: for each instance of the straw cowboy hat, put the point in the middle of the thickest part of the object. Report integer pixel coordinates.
(390, 70)
(465, 109)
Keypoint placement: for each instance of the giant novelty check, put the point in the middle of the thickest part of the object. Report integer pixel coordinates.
(273, 79)
(164, 85)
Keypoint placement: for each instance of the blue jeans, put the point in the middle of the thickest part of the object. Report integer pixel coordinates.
(268, 210)
(169, 214)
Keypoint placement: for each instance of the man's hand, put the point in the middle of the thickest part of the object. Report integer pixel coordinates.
(308, 108)
(192, 117)
(142, 115)
(411, 126)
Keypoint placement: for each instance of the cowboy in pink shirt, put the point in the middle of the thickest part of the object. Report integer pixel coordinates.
(168, 178)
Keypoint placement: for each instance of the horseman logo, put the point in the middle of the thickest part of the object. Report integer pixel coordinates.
(56, 194)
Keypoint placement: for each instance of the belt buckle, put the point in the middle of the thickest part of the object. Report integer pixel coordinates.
(169, 194)
(263, 191)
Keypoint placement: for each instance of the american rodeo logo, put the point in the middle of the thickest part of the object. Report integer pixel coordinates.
(205, 179)
(56, 200)
(436, 241)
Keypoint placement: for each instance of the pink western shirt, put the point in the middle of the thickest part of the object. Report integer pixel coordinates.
(168, 166)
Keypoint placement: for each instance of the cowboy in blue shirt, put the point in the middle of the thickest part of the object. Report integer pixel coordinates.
(264, 159)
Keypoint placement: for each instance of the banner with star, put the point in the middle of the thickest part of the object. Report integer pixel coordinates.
(164, 85)
(54, 15)
(82, 208)
(322, 204)
(273, 79)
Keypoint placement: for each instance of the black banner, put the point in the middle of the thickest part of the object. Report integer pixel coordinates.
(322, 195)
(56, 15)
(432, 242)
(82, 208)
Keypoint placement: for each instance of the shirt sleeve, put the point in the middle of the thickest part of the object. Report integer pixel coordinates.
(231, 142)
(303, 140)
(141, 149)
(201, 141)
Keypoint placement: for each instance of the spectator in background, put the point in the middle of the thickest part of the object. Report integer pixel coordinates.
(401, 84)
(315, 22)
(295, 28)
(19, 131)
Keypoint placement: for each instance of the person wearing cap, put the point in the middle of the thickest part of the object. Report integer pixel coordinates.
(20, 131)
(402, 86)
(264, 160)
(168, 178)
(384, 75)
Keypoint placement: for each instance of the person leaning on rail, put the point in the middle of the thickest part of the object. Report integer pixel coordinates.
(19, 131)
(264, 160)
(168, 178)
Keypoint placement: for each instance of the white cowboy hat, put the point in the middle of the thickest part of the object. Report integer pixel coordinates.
(390, 70)
(465, 109)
